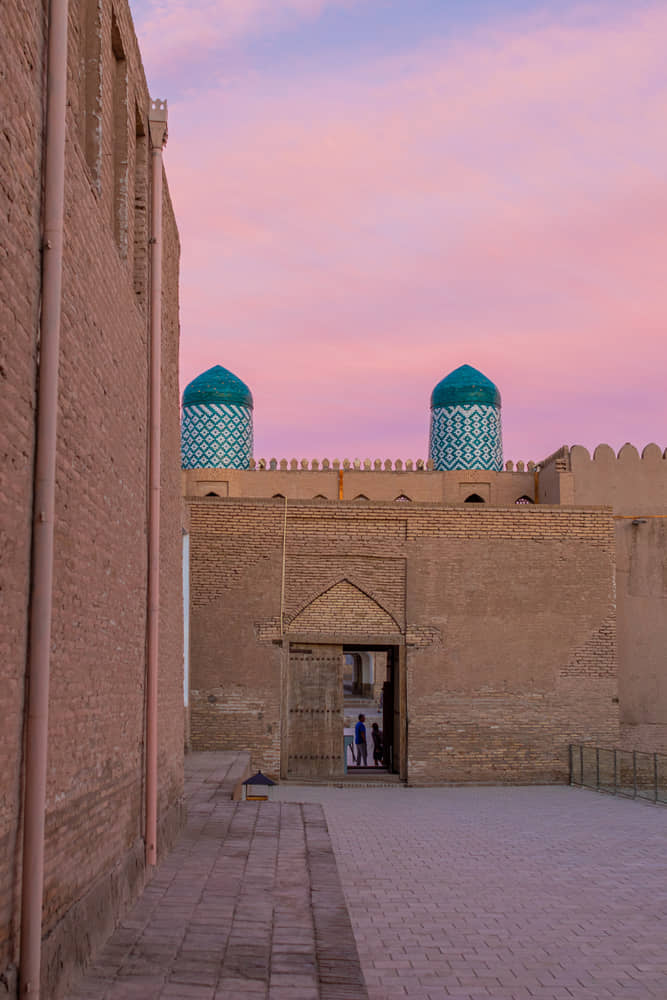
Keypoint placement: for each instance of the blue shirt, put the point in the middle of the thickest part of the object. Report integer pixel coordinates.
(360, 732)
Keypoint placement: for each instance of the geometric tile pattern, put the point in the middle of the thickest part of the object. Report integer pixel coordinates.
(466, 436)
(216, 436)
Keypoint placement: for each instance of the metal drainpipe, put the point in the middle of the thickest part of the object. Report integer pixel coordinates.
(41, 590)
(282, 580)
(158, 130)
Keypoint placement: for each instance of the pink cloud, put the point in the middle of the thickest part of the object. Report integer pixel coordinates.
(498, 201)
(182, 31)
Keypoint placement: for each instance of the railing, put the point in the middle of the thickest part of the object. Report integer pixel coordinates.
(632, 774)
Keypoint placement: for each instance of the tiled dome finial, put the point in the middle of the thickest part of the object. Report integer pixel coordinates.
(217, 427)
(466, 429)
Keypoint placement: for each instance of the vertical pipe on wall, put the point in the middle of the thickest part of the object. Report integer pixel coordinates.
(282, 579)
(41, 590)
(158, 131)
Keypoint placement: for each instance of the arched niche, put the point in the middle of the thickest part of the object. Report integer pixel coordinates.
(474, 498)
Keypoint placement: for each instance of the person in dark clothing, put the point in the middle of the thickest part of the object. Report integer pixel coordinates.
(360, 741)
(378, 744)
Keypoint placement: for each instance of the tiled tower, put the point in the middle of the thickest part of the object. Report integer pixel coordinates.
(216, 430)
(465, 422)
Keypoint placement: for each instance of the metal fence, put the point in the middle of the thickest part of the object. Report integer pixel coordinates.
(629, 773)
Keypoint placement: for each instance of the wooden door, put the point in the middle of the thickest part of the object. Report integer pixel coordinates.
(315, 712)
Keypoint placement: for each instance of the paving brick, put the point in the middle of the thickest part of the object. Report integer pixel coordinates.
(230, 915)
(507, 894)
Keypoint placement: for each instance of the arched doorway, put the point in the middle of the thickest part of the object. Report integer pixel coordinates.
(352, 666)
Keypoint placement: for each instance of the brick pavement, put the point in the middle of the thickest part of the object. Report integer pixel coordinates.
(539, 893)
(534, 893)
(248, 904)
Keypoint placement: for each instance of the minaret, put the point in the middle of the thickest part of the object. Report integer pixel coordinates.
(466, 429)
(216, 429)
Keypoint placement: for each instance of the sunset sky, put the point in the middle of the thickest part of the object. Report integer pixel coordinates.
(372, 192)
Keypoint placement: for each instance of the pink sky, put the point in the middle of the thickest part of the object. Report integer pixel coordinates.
(353, 228)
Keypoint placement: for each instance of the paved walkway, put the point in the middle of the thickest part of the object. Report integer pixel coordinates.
(475, 894)
(502, 893)
(248, 905)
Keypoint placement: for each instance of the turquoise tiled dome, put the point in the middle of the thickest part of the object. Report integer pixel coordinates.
(217, 428)
(465, 385)
(466, 430)
(217, 385)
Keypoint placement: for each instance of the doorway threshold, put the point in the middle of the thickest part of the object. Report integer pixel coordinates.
(355, 778)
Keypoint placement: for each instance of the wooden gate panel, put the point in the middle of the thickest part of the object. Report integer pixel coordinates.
(315, 712)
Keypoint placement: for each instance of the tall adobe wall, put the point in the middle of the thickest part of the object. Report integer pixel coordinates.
(635, 486)
(21, 56)
(94, 863)
(503, 619)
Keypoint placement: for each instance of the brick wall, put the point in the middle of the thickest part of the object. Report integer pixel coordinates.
(308, 483)
(94, 822)
(636, 487)
(21, 57)
(508, 616)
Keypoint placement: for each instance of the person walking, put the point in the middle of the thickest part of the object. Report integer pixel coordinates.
(360, 741)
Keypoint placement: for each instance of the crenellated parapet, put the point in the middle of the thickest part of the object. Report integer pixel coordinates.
(356, 465)
(362, 465)
(627, 454)
(564, 457)
(633, 483)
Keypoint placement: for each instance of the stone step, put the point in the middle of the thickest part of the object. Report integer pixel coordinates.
(361, 778)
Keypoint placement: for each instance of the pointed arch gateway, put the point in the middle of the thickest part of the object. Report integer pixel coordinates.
(344, 607)
(340, 618)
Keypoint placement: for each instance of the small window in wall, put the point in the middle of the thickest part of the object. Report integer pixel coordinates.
(361, 496)
(89, 117)
(119, 138)
(403, 499)
(474, 498)
(524, 499)
(212, 494)
(278, 496)
(319, 496)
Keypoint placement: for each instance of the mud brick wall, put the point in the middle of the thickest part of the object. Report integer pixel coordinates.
(636, 487)
(386, 480)
(507, 613)
(525, 661)
(235, 672)
(21, 55)
(94, 821)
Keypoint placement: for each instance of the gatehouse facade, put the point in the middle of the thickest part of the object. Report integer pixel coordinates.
(507, 611)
